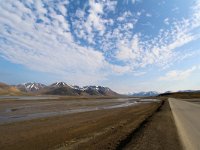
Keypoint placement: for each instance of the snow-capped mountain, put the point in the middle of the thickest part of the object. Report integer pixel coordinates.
(59, 84)
(95, 88)
(76, 87)
(30, 87)
(92, 89)
(62, 88)
(145, 94)
(98, 90)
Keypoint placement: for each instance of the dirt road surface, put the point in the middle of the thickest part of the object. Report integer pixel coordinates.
(187, 119)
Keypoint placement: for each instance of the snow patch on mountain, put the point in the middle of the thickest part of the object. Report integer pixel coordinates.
(30, 86)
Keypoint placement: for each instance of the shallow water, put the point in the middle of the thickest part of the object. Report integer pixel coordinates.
(11, 111)
(28, 97)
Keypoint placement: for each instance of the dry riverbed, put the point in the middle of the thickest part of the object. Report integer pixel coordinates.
(95, 129)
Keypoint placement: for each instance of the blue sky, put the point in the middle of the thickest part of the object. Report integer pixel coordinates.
(130, 45)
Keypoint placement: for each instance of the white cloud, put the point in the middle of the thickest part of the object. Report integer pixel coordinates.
(120, 69)
(47, 47)
(166, 21)
(148, 15)
(163, 49)
(175, 9)
(94, 19)
(110, 5)
(139, 73)
(139, 13)
(46, 42)
(133, 1)
(124, 16)
(130, 53)
(88, 26)
(178, 74)
(40, 7)
(96, 8)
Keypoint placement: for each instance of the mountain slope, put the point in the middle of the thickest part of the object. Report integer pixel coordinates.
(8, 90)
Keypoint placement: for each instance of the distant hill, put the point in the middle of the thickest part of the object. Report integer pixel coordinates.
(6, 89)
(187, 94)
(62, 88)
(145, 94)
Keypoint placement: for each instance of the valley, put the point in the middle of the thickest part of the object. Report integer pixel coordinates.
(65, 123)
(61, 117)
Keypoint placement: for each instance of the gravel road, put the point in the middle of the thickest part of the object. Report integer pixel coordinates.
(186, 115)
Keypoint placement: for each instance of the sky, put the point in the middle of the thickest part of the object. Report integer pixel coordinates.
(127, 45)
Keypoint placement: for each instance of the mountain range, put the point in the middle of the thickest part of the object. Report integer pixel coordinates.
(62, 88)
(57, 88)
(144, 94)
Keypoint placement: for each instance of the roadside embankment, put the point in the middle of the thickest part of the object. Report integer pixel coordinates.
(158, 133)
